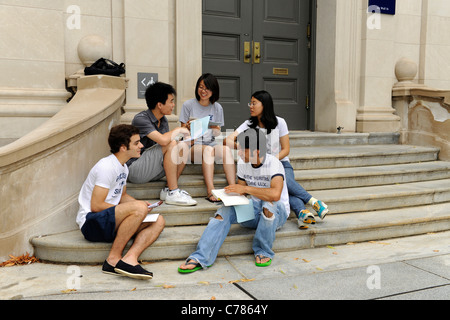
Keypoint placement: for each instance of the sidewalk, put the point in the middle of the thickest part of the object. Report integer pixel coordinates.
(405, 268)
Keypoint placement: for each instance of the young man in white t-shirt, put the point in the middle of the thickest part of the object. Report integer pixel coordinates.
(262, 176)
(109, 214)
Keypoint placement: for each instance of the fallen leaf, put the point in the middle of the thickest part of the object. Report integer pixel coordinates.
(330, 247)
(133, 289)
(306, 260)
(241, 280)
(320, 269)
(282, 271)
(295, 286)
(335, 253)
(68, 290)
(17, 261)
(204, 282)
(167, 286)
(435, 250)
(213, 298)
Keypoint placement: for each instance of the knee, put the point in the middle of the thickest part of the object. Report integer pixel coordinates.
(160, 223)
(140, 209)
(268, 214)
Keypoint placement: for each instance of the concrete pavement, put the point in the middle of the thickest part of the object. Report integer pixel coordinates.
(415, 267)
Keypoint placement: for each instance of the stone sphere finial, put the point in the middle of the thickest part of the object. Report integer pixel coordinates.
(93, 47)
(405, 70)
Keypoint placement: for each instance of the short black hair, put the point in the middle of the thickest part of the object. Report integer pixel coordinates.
(120, 135)
(158, 92)
(253, 139)
(211, 84)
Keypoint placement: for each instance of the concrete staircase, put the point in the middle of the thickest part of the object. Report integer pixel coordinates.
(374, 187)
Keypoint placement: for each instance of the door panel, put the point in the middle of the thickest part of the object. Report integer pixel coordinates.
(227, 25)
(277, 29)
(284, 66)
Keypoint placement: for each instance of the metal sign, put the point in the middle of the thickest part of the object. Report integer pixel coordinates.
(385, 6)
(144, 81)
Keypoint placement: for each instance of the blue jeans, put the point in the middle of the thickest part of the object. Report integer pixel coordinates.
(297, 195)
(217, 230)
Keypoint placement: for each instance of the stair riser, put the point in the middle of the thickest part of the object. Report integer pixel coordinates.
(324, 183)
(151, 191)
(174, 217)
(360, 161)
(301, 239)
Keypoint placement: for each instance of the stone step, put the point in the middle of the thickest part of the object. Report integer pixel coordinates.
(339, 201)
(308, 138)
(176, 243)
(345, 156)
(319, 179)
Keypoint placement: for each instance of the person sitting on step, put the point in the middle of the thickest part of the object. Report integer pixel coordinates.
(108, 213)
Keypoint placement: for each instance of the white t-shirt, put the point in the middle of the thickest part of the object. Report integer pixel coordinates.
(262, 176)
(108, 173)
(273, 139)
(193, 109)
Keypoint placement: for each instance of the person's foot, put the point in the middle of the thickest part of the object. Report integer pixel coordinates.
(163, 193)
(136, 272)
(305, 218)
(321, 209)
(190, 267)
(109, 269)
(262, 261)
(180, 198)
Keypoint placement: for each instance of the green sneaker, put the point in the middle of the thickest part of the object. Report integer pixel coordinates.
(321, 209)
(305, 218)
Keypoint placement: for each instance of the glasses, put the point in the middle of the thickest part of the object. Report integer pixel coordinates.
(250, 104)
(204, 89)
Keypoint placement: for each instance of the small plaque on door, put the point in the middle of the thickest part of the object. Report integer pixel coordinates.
(281, 71)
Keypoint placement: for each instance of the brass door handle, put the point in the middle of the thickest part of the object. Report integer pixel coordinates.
(257, 52)
(247, 52)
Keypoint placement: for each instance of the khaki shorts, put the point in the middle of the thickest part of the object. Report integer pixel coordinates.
(149, 167)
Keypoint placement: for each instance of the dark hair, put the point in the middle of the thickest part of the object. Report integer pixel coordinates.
(268, 117)
(211, 84)
(158, 92)
(253, 139)
(120, 135)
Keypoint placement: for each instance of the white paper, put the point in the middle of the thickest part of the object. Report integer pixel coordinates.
(151, 217)
(230, 199)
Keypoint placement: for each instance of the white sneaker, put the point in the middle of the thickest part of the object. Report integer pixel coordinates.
(180, 198)
(163, 193)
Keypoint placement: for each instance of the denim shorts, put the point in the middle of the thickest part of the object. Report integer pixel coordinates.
(100, 226)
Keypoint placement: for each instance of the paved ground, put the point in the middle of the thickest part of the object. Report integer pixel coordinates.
(405, 268)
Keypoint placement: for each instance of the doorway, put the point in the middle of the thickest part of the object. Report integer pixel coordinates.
(252, 45)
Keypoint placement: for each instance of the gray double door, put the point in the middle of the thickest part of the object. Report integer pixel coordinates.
(252, 45)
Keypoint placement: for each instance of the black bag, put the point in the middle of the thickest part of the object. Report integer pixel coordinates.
(105, 66)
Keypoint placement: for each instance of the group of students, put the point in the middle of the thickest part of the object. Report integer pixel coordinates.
(147, 150)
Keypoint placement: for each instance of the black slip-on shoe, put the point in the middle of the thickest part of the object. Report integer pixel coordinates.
(136, 272)
(109, 269)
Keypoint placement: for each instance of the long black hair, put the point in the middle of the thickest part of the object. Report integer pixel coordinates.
(268, 117)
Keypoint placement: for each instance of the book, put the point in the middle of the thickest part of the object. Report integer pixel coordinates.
(245, 212)
(230, 199)
(151, 217)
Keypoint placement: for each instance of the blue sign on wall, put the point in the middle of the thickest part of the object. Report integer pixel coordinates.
(386, 6)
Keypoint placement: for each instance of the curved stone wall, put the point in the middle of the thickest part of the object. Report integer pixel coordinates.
(41, 173)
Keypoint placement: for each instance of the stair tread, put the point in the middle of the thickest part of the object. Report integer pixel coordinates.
(338, 229)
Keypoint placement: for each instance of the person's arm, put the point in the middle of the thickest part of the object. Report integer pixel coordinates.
(98, 203)
(99, 195)
(230, 141)
(166, 138)
(271, 194)
(285, 147)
